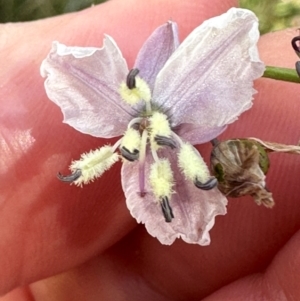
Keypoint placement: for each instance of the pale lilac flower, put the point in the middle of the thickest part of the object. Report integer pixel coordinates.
(174, 97)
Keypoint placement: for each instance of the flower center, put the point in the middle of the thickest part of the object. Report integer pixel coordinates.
(151, 129)
(155, 130)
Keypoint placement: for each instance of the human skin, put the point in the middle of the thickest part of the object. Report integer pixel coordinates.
(61, 242)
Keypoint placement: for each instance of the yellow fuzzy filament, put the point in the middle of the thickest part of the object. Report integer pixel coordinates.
(192, 164)
(140, 92)
(131, 139)
(94, 164)
(159, 127)
(161, 178)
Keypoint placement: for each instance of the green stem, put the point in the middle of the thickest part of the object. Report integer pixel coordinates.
(285, 74)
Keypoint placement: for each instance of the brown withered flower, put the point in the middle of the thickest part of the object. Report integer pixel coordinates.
(241, 165)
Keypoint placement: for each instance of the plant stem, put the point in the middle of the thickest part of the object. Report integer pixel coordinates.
(285, 74)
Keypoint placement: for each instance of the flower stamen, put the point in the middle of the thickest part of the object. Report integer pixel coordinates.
(166, 209)
(161, 180)
(161, 132)
(93, 164)
(194, 168)
(130, 145)
(70, 178)
(130, 156)
(210, 184)
(135, 89)
(165, 141)
(130, 80)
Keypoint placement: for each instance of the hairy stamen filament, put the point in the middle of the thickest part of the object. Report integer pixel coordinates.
(193, 166)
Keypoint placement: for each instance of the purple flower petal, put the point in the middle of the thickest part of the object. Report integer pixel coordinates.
(156, 51)
(84, 82)
(194, 209)
(209, 78)
(197, 134)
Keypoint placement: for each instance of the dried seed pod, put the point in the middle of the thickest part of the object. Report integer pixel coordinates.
(240, 165)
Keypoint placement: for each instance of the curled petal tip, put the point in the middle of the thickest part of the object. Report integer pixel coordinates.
(210, 184)
(70, 178)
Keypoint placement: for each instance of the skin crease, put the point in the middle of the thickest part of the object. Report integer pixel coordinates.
(84, 241)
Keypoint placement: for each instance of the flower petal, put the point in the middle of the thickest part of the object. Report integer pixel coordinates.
(156, 51)
(209, 78)
(194, 209)
(197, 134)
(84, 82)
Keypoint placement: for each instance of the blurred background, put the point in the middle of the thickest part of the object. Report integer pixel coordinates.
(273, 14)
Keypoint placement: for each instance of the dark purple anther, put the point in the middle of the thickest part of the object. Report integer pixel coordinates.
(70, 178)
(165, 141)
(130, 156)
(166, 209)
(210, 184)
(130, 80)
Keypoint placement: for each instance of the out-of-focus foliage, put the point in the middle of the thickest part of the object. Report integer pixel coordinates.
(274, 14)
(26, 10)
